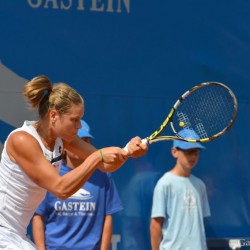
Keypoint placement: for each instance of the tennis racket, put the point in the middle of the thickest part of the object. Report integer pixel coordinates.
(207, 111)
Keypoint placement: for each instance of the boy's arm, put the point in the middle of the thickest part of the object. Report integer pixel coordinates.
(156, 232)
(38, 231)
(106, 232)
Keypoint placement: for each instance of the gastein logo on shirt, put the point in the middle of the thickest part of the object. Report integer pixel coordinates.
(77, 207)
(81, 194)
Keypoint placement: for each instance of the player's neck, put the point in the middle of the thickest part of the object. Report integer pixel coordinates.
(45, 136)
(179, 171)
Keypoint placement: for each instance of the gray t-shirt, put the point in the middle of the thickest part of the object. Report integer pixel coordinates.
(183, 203)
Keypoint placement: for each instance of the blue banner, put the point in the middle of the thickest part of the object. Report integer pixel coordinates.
(131, 60)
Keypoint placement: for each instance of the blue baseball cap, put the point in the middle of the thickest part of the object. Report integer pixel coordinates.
(187, 133)
(84, 130)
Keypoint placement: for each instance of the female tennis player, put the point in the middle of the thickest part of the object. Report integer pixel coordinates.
(32, 155)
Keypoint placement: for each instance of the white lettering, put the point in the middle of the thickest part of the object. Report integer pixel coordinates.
(245, 242)
(94, 5)
(54, 4)
(126, 3)
(64, 207)
(74, 206)
(33, 5)
(81, 208)
(66, 7)
(80, 5)
(70, 206)
(110, 6)
(92, 206)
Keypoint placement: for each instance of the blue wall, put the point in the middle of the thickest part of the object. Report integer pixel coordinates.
(131, 60)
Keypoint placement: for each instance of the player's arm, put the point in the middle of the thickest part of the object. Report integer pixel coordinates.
(106, 232)
(84, 150)
(156, 232)
(135, 147)
(38, 231)
(24, 149)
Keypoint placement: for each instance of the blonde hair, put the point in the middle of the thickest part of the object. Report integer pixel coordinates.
(42, 95)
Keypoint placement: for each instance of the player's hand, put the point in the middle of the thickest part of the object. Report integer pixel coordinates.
(136, 148)
(112, 158)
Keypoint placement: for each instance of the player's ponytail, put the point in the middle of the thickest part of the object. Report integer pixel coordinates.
(41, 95)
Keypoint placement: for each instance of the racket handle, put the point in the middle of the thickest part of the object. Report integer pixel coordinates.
(144, 141)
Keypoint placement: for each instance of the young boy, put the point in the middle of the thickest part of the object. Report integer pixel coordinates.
(180, 202)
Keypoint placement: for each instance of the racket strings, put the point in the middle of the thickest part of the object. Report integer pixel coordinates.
(207, 111)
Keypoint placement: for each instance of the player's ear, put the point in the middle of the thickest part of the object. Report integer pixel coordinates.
(53, 114)
(174, 152)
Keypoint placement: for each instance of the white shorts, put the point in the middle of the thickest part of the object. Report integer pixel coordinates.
(12, 241)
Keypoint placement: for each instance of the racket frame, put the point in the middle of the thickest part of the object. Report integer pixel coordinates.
(154, 137)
